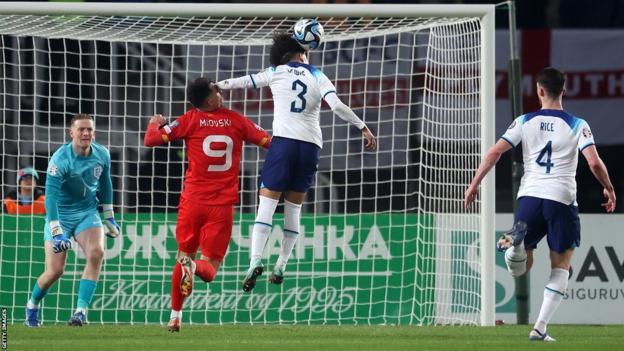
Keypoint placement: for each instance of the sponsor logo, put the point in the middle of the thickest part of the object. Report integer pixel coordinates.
(135, 295)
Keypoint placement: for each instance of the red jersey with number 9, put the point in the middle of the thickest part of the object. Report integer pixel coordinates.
(214, 144)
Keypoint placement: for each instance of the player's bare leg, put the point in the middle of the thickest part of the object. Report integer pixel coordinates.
(292, 215)
(553, 294)
(54, 268)
(91, 241)
(260, 235)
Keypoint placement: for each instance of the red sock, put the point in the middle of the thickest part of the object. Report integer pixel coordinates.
(177, 299)
(205, 270)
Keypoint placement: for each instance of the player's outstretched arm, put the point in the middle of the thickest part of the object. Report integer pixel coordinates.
(491, 158)
(346, 114)
(259, 80)
(153, 136)
(599, 170)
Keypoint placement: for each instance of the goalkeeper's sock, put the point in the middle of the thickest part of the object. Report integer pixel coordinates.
(262, 227)
(36, 296)
(292, 213)
(553, 294)
(85, 292)
(177, 299)
(205, 270)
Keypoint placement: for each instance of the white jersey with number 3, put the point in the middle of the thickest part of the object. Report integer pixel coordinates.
(551, 141)
(297, 90)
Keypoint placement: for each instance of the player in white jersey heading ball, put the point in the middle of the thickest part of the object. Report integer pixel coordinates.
(292, 160)
(551, 140)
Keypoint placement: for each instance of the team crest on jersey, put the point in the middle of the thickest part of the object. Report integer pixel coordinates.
(53, 170)
(97, 171)
(587, 133)
(513, 124)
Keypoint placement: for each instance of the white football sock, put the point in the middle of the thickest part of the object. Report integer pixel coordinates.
(516, 258)
(31, 305)
(262, 227)
(175, 314)
(553, 294)
(292, 214)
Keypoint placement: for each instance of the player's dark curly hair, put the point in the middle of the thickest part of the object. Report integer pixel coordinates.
(552, 80)
(284, 48)
(199, 90)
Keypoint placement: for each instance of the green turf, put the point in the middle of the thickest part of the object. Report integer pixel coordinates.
(316, 338)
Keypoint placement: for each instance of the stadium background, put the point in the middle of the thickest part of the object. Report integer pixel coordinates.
(544, 24)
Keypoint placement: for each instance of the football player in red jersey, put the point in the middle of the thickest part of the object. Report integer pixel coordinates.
(214, 142)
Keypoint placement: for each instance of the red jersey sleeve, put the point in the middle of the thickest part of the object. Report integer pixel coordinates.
(177, 129)
(253, 133)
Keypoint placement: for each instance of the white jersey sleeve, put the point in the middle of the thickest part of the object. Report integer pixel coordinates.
(513, 135)
(325, 85)
(585, 136)
(258, 80)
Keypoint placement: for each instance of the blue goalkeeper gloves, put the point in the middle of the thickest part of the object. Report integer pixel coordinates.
(59, 242)
(111, 228)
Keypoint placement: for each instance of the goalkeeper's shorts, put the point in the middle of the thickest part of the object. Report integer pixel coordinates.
(74, 224)
(208, 227)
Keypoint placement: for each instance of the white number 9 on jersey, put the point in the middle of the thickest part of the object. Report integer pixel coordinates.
(210, 152)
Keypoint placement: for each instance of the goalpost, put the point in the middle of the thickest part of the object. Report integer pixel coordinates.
(384, 235)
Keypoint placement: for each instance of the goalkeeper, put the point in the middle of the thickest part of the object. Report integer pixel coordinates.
(78, 179)
(292, 161)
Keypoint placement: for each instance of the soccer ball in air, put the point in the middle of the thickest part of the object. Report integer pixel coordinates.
(308, 33)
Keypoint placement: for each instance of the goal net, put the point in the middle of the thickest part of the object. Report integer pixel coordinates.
(384, 235)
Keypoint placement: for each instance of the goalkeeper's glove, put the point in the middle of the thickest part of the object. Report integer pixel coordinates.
(59, 242)
(111, 228)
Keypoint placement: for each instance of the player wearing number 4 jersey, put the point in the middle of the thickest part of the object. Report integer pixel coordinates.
(214, 141)
(292, 161)
(551, 140)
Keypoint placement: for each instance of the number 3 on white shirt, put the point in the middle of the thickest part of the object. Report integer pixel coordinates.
(227, 152)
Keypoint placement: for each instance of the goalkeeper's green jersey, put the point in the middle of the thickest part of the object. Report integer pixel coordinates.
(75, 183)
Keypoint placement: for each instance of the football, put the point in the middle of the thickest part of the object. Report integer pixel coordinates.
(308, 33)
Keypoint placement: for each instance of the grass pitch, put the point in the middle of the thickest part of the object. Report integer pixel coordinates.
(314, 338)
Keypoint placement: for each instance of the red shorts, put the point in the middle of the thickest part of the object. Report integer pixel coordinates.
(208, 227)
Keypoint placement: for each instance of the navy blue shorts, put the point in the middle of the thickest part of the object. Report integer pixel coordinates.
(290, 165)
(561, 223)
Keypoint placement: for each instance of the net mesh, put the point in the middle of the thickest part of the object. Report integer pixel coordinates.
(384, 238)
